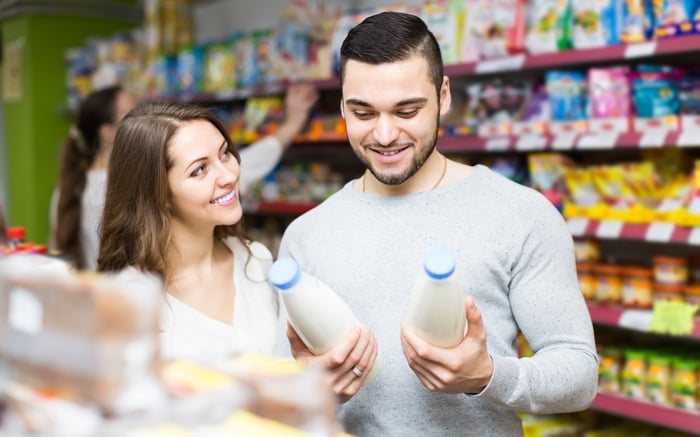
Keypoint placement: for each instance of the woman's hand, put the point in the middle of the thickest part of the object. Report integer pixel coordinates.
(348, 362)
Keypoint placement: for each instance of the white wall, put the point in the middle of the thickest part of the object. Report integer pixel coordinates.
(217, 19)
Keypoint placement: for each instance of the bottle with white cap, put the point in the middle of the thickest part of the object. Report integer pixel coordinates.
(317, 313)
(436, 309)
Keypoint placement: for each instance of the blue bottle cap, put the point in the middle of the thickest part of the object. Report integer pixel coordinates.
(284, 273)
(439, 263)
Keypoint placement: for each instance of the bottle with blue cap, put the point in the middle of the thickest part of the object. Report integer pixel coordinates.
(317, 313)
(436, 309)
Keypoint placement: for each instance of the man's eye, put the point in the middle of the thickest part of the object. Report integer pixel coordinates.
(362, 115)
(408, 113)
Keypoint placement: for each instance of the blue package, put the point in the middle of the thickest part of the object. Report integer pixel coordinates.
(567, 95)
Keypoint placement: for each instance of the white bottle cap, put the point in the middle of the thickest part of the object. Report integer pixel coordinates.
(439, 263)
(284, 273)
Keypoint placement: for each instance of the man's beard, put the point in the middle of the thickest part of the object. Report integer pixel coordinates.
(416, 163)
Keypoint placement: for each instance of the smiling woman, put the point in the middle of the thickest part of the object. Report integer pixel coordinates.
(172, 209)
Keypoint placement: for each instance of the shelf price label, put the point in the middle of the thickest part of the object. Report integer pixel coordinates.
(652, 138)
(660, 232)
(639, 50)
(577, 226)
(564, 141)
(498, 144)
(609, 229)
(639, 320)
(505, 63)
(694, 237)
(675, 318)
(529, 142)
(605, 140)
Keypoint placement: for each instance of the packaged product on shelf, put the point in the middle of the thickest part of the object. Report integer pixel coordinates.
(444, 20)
(89, 337)
(658, 382)
(496, 28)
(190, 70)
(637, 287)
(637, 21)
(655, 91)
(221, 67)
(675, 17)
(568, 94)
(684, 382)
(634, 373)
(587, 279)
(608, 283)
(670, 270)
(548, 27)
(691, 293)
(596, 23)
(611, 361)
(291, 36)
(610, 94)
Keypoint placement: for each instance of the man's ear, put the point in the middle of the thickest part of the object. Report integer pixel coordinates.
(342, 109)
(445, 96)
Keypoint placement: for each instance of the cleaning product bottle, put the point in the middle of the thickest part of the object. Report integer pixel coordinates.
(317, 313)
(436, 309)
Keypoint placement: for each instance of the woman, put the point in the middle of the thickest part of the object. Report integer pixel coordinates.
(173, 209)
(77, 204)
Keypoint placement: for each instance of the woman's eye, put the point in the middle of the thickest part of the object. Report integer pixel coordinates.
(198, 171)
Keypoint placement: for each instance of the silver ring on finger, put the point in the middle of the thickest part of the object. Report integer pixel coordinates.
(357, 372)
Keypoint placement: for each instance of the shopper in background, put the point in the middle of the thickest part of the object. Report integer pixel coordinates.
(76, 208)
(515, 261)
(173, 210)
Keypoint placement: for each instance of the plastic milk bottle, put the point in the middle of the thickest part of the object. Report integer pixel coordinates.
(436, 309)
(317, 313)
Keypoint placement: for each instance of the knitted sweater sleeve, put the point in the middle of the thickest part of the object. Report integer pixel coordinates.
(550, 311)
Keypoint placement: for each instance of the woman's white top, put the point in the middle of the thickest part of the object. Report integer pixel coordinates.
(257, 324)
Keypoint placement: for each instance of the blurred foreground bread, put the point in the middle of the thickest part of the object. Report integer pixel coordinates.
(90, 337)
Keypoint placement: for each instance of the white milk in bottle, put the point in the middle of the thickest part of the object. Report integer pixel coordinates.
(317, 313)
(436, 309)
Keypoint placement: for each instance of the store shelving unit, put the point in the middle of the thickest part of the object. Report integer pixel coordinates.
(674, 418)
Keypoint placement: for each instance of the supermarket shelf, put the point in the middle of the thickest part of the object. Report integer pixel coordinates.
(638, 320)
(567, 142)
(648, 232)
(681, 420)
(282, 208)
(594, 55)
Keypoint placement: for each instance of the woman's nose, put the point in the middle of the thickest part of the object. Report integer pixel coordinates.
(226, 174)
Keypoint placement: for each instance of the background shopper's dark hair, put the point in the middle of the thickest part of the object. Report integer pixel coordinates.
(79, 152)
(389, 37)
(137, 217)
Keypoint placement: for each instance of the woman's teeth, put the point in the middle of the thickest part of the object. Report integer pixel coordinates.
(224, 199)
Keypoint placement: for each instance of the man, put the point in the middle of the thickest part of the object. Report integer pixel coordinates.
(515, 261)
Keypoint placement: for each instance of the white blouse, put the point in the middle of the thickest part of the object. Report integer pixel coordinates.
(259, 324)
